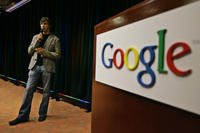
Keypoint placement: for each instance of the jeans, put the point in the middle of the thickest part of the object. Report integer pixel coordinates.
(35, 75)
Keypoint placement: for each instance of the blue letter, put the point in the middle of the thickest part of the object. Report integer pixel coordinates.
(102, 56)
(148, 67)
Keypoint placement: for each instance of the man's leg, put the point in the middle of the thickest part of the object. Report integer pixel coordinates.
(32, 82)
(46, 81)
(33, 78)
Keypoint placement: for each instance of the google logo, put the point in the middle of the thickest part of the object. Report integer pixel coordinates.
(171, 56)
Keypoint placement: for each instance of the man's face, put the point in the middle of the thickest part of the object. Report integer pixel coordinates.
(44, 26)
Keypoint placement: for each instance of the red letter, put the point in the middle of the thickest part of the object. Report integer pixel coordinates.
(170, 57)
(122, 58)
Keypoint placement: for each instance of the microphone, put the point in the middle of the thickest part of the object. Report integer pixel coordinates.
(41, 31)
(38, 44)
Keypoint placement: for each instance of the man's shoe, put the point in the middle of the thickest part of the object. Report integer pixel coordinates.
(42, 118)
(55, 96)
(17, 121)
(57, 99)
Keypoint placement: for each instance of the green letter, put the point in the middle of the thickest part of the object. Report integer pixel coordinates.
(161, 49)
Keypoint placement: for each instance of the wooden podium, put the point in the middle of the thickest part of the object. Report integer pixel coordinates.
(117, 111)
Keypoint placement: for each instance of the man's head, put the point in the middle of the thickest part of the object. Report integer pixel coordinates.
(45, 19)
(45, 24)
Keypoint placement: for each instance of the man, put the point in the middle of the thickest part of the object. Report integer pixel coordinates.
(45, 50)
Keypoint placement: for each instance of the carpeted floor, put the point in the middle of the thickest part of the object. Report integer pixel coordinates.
(62, 116)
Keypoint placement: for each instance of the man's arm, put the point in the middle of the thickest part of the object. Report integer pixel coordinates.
(34, 43)
(51, 55)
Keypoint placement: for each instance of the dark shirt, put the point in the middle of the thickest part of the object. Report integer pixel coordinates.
(39, 57)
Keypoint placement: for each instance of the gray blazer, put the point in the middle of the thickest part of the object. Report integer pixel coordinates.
(50, 55)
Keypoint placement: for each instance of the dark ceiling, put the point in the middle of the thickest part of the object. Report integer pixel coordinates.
(5, 3)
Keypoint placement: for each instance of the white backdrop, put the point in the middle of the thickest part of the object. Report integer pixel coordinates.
(182, 25)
